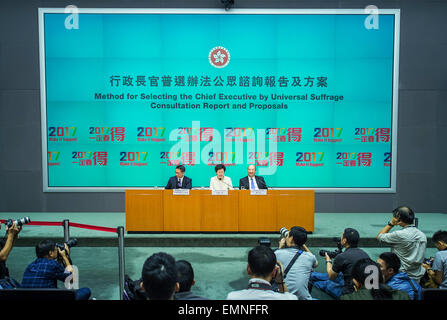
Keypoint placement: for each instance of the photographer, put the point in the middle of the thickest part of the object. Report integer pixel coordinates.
(344, 261)
(262, 267)
(299, 261)
(437, 273)
(362, 270)
(159, 278)
(389, 265)
(46, 270)
(409, 243)
(185, 274)
(6, 247)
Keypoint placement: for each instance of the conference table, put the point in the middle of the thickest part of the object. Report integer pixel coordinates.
(152, 210)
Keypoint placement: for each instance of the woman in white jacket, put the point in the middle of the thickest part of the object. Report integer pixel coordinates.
(220, 181)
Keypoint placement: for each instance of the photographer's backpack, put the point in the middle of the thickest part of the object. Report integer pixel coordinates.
(132, 290)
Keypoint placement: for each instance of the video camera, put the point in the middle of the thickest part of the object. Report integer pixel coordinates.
(333, 254)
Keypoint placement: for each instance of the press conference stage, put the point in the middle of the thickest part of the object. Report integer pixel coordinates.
(327, 226)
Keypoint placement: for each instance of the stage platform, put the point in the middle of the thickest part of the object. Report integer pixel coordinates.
(327, 226)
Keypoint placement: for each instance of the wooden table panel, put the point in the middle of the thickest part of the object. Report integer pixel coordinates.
(257, 213)
(144, 210)
(295, 208)
(220, 213)
(181, 213)
(160, 210)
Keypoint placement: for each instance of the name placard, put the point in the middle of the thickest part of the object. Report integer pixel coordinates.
(260, 192)
(180, 192)
(219, 192)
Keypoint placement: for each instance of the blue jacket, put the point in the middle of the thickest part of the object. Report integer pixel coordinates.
(401, 281)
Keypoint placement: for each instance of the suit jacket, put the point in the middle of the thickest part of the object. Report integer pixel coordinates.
(246, 184)
(172, 183)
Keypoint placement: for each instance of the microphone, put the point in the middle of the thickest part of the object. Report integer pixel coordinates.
(229, 185)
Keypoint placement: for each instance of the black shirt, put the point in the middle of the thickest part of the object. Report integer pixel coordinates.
(3, 270)
(344, 262)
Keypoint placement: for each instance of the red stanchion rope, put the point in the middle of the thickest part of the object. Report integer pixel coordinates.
(97, 228)
(72, 224)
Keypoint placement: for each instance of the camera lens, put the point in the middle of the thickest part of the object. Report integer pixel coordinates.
(22, 221)
(284, 232)
(72, 242)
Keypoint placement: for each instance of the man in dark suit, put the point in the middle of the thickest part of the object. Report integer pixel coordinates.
(180, 181)
(252, 182)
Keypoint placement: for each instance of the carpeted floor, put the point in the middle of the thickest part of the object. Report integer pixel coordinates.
(217, 270)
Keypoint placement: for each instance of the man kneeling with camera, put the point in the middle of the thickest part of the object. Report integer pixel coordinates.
(49, 267)
(338, 279)
(298, 261)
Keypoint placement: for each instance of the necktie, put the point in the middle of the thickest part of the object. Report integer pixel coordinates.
(179, 183)
(252, 186)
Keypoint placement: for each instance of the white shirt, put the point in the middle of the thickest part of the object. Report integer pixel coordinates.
(409, 245)
(257, 294)
(254, 182)
(299, 274)
(216, 184)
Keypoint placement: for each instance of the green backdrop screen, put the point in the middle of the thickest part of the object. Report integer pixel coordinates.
(307, 98)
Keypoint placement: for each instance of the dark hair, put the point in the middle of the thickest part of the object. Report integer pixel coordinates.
(185, 275)
(440, 235)
(358, 273)
(44, 247)
(262, 260)
(392, 261)
(181, 168)
(352, 237)
(299, 235)
(219, 166)
(159, 276)
(405, 214)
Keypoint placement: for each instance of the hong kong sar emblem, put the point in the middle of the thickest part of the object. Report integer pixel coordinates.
(219, 57)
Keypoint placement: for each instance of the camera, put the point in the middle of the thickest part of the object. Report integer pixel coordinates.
(333, 254)
(429, 261)
(284, 232)
(70, 243)
(18, 222)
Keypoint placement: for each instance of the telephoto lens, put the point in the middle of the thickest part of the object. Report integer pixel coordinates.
(22, 221)
(284, 232)
(19, 222)
(72, 242)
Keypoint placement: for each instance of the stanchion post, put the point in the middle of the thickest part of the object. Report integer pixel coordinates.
(121, 261)
(66, 226)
